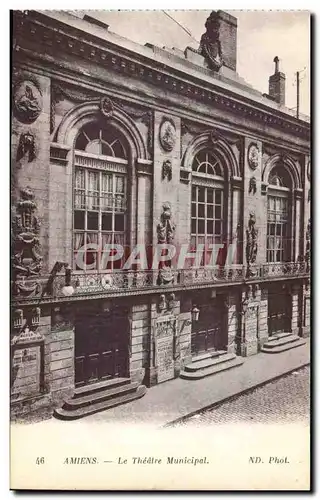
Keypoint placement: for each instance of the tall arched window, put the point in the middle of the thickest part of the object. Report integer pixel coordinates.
(100, 194)
(207, 202)
(279, 215)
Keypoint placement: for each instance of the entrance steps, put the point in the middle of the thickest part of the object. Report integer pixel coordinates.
(280, 342)
(97, 397)
(209, 364)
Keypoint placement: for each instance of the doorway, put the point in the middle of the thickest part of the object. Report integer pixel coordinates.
(101, 345)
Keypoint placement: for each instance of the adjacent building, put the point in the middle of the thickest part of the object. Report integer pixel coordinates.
(119, 150)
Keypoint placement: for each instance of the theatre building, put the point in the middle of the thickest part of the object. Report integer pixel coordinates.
(133, 148)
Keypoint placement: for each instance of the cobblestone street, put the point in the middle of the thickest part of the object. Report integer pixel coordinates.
(286, 400)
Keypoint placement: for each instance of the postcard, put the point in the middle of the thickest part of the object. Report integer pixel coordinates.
(161, 250)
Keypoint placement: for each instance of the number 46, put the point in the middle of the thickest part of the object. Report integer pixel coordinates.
(40, 460)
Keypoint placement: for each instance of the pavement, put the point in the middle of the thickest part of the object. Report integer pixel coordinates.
(178, 399)
(285, 400)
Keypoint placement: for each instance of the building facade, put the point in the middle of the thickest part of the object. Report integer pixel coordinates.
(161, 214)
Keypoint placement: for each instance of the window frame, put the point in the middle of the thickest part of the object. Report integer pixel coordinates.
(90, 162)
(217, 183)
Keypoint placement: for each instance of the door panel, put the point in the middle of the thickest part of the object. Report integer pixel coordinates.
(101, 346)
(208, 332)
(279, 312)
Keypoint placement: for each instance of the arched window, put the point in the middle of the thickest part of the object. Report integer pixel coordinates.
(207, 202)
(100, 195)
(279, 226)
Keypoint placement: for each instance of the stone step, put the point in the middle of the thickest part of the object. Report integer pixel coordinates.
(285, 347)
(206, 363)
(280, 335)
(100, 386)
(63, 414)
(207, 355)
(212, 370)
(79, 402)
(278, 342)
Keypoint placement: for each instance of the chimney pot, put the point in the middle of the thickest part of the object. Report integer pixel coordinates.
(277, 84)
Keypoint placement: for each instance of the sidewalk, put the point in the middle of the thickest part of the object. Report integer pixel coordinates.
(178, 398)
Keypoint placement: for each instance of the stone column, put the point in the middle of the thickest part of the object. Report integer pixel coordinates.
(185, 324)
(305, 330)
(60, 348)
(232, 306)
(296, 318)
(263, 318)
(140, 334)
(250, 320)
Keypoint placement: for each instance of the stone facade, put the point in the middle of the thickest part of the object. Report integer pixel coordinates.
(166, 118)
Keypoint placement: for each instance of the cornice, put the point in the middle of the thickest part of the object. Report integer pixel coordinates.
(136, 65)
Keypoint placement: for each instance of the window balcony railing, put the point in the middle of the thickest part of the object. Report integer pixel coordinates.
(126, 281)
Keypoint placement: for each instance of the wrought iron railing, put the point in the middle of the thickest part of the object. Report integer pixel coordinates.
(119, 281)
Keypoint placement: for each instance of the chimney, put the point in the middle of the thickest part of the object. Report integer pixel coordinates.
(218, 45)
(277, 84)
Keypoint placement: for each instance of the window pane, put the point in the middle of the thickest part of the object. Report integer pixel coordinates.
(210, 227)
(218, 212)
(210, 211)
(194, 226)
(194, 193)
(79, 218)
(218, 196)
(92, 220)
(194, 210)
(201, 194)
(210, 195)
(106, 183)
(94, 147)
(119, 222)
(201, 210)
(217, 227)
(119, 184)
(201, 226)
(106, 222)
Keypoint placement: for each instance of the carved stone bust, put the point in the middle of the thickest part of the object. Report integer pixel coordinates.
(210, 45)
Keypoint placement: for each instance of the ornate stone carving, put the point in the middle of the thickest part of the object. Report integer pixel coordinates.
(253, 185)
(162, 303)
(210, 46)
(26, 147)
(27, 336)
(27, 101)
(167, 135)
(25, 239)
(35, 316)
(166, 228)
(17, 318)
(106, 107)
(252, 243)
(165, 232)
(167, 170)
(253, 156)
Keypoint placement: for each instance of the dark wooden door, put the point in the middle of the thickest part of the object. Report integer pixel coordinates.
(101, 346)
(208, 333)
(279, 313)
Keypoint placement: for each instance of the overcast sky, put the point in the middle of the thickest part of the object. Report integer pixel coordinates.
(261, 36)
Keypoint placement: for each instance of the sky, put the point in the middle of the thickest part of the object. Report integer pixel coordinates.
(261, 36)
